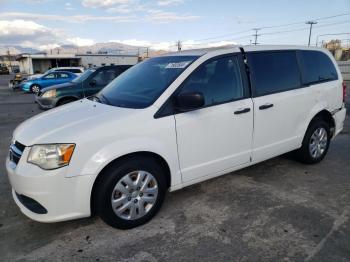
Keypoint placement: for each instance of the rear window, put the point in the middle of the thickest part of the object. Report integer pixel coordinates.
(317, 67)
(73, 70)
(273, 72)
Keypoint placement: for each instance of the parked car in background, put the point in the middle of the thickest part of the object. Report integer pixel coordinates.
(16, 81)
(173, 121)
(75, 70)
(49, 79)
(4, 70)
(87, 84)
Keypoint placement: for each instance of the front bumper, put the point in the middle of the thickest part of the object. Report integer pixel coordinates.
(45, 103)
(25, 87)
(63, 198)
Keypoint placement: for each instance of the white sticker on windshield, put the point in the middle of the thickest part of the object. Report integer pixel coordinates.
(178, 65)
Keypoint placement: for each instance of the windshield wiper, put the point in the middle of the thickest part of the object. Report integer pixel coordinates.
(94, 98)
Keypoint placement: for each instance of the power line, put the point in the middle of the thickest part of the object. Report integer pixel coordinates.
(221, 36)
(274, 26)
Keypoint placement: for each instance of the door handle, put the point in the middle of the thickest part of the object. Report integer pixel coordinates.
(242, 111)
(266, 106)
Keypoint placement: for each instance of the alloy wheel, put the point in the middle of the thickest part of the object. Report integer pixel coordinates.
(318, 142)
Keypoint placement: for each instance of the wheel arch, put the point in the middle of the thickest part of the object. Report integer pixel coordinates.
(327, 117)
(70, 97)
(158, 158)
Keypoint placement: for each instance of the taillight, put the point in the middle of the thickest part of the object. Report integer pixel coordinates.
(344, 91)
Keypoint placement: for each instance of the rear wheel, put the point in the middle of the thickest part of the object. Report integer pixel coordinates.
(35, 89)
(316, 142)
(130, 192)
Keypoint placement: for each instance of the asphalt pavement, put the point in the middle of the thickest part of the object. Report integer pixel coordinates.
(278, 210)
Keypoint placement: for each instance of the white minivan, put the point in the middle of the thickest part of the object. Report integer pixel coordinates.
(172, 121)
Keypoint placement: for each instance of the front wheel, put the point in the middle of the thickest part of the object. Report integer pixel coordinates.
(35, 89)
(130, 192)
(316, 142)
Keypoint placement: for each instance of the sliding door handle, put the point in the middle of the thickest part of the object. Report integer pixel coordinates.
(266, 106)
(242, 111)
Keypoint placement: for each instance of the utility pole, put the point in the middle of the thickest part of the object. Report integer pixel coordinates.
(179, 45)
(9, 57)
(311, 23)
(256, 35)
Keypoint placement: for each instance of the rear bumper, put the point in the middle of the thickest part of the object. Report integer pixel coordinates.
(339, 118)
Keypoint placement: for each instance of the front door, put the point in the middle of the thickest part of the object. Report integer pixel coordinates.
(218, 136)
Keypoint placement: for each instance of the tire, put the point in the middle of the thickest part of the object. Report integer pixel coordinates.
(65, 101)
(310, 145)
(35, 89)
(113, 185)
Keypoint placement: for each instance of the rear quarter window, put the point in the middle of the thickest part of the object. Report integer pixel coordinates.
(273, 71)
(317, 67)
(75, 71)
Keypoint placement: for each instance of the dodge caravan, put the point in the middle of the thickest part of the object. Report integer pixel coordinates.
(172, 121)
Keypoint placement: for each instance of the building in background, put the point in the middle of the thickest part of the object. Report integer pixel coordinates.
(9, 61)
(340, 51)
(39, 63)
(91, 60)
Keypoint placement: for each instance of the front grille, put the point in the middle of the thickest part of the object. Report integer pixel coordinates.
(16, 151)
(20, 146)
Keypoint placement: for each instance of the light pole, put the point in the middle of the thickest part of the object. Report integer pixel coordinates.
(311, 23)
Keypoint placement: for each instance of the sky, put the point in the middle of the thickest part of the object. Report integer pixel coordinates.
(158, 24)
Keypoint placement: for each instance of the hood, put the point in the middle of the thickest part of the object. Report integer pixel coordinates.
(71, 123)
(60, 86)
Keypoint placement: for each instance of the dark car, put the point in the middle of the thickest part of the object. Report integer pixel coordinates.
(87, 84)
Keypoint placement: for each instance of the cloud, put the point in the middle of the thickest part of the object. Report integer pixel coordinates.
(159, 16)
(66, 18)
(171, 46)
(169, 2)
(80, 41)
(68, 7)
(124, 9)
(103, 3)
(31, 34)
(26, 33)
(154, 16)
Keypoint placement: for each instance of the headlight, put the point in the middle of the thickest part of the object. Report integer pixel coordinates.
(50, 93)
(51, 156)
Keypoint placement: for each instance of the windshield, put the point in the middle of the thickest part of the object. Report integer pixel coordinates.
(83, 76)
(143, 83)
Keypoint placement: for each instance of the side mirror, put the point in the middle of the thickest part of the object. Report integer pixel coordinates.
(189, 101)
(92, 83)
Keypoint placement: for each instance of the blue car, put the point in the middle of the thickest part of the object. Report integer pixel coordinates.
(49, 79)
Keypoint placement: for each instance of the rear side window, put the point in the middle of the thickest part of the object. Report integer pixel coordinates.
(104, 77)
(273, 72)
(74, 70)
(317, 67)
(62, 75)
